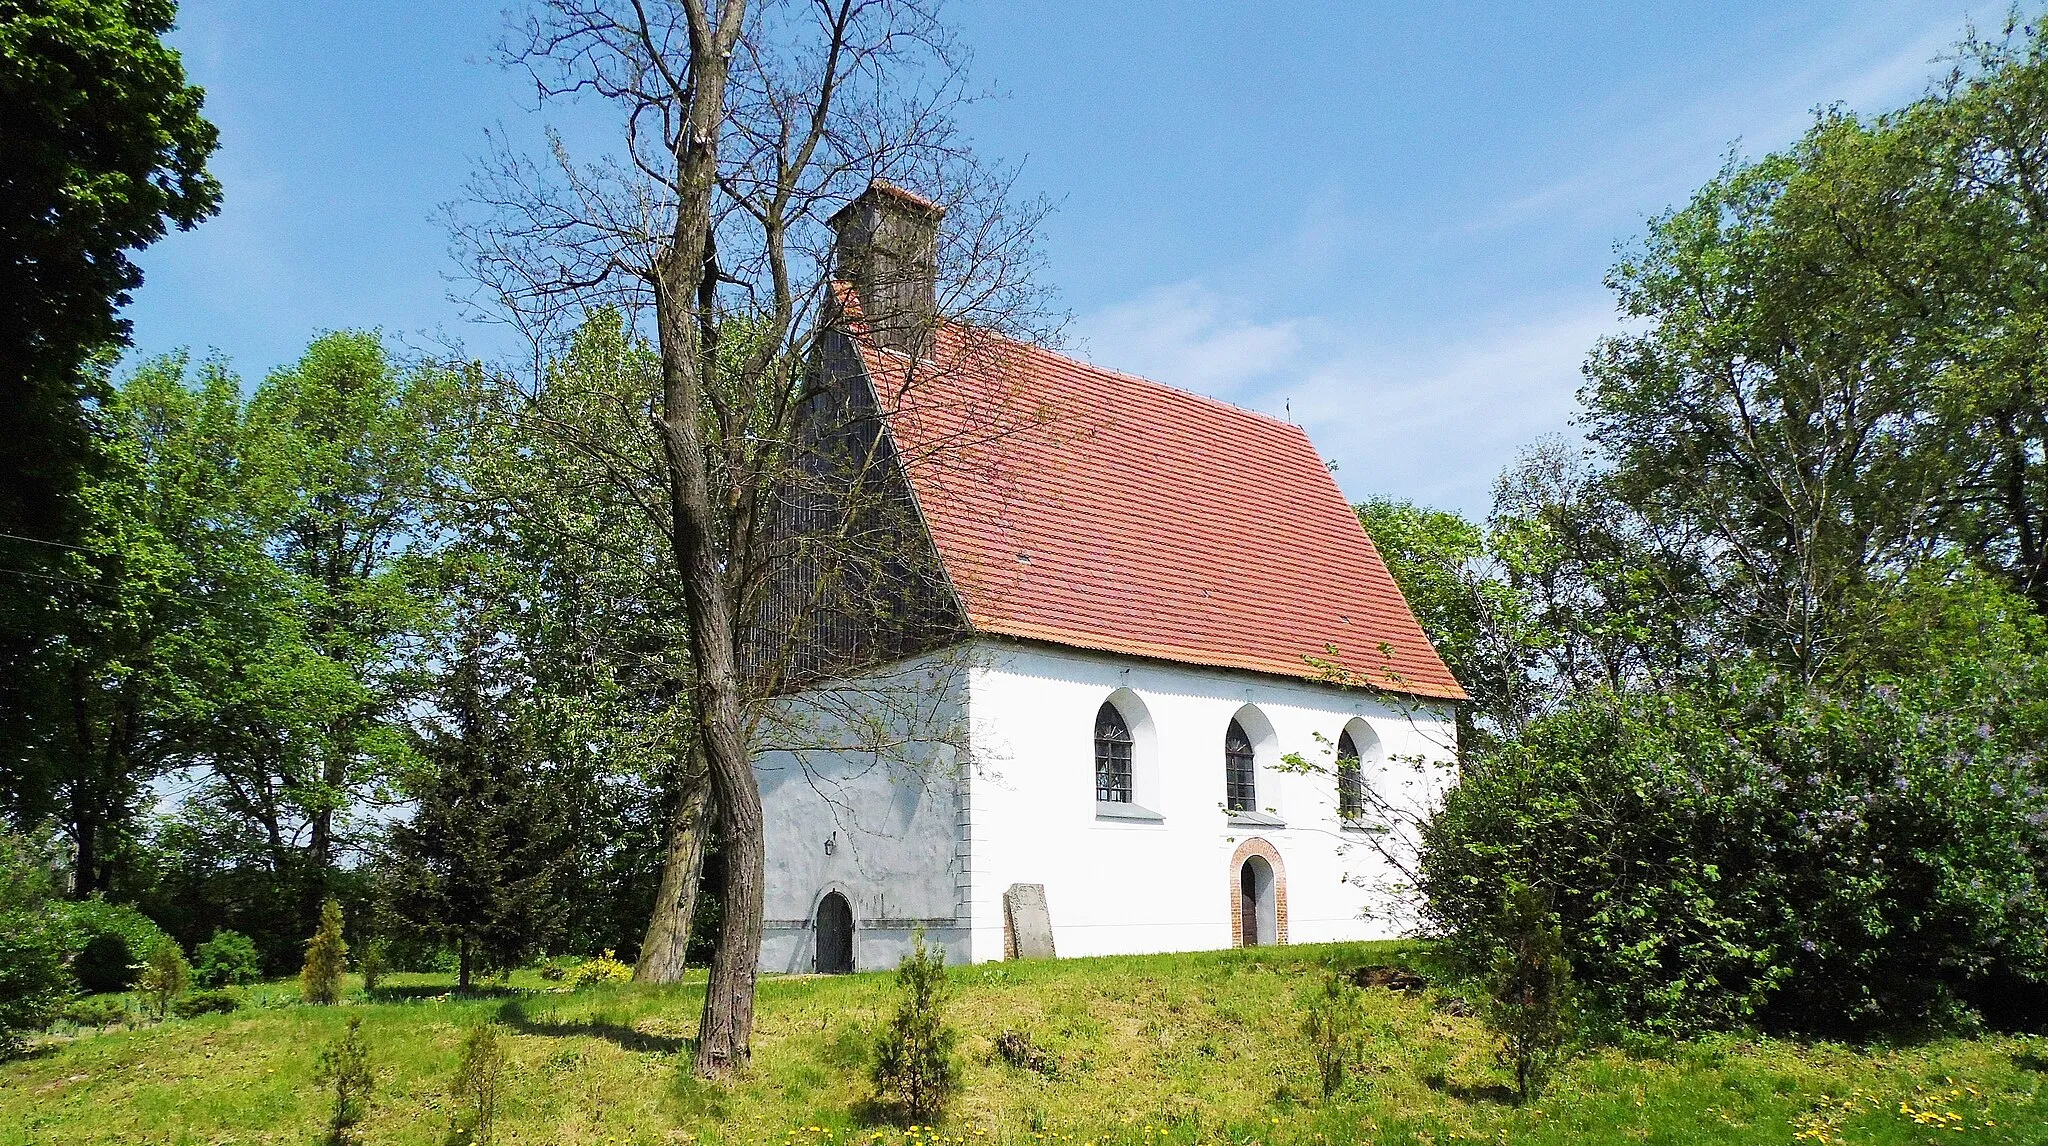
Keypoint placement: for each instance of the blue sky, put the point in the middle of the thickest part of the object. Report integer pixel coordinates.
(1390, 219)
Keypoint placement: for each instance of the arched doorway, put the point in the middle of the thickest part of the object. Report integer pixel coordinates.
(1257, 910)
(835, 935)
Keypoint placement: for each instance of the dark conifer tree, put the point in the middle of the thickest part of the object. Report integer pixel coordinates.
(486, 859)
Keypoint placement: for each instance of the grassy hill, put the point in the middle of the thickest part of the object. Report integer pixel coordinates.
(1147, 1051)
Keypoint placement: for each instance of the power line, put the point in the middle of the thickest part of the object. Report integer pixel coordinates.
(58, 544)
(49, 577)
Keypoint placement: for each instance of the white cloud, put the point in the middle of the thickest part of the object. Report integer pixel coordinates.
(1427, 420)
(1437, 423)
(1190, 336)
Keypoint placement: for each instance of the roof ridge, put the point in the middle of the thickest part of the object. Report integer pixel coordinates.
(1156, 384)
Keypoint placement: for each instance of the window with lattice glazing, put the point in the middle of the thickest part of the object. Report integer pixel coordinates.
(1350, 779)
(1241, 793)
(1112, 756)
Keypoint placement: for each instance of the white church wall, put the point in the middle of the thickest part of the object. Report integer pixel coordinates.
(1120, 885)
(860, 793)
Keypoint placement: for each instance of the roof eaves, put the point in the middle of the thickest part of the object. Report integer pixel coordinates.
(1048, 635)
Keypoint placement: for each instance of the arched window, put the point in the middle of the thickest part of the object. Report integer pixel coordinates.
(1240, 788)
(1112, 756)
(1350, 779)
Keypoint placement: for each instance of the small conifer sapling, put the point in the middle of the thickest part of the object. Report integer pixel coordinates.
(478, 1080)
(165, 975)
(1529, 984)
(343, 1070)
(326, 958)
(914, 1069)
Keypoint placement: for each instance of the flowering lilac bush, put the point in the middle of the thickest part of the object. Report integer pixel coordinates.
(1759, 852)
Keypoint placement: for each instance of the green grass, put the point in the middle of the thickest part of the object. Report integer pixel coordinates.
(1151, 1051)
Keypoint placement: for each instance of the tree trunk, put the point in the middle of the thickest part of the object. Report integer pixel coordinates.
(85, 856)
(725, 1033)
(663, 951)
(462, 965)
(686, 323)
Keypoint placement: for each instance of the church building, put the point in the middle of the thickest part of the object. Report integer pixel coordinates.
(1160, 686)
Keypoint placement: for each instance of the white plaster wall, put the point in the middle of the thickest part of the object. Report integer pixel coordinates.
(872, 767)
(1117, 886)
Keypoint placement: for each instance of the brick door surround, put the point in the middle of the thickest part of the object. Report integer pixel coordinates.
(1249, 848)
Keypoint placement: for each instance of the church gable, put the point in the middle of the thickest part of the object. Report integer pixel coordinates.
(855, 581)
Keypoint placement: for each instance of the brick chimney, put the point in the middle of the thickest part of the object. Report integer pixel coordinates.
(887, 247)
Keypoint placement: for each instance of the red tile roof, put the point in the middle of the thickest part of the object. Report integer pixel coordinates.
(1083, 507)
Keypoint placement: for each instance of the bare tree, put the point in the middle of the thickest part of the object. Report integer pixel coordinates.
(744, 128)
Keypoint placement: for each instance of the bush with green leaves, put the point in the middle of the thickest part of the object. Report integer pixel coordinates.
(376, 953)
(104, 942)
(33, 983)
(227, 959)
(94, 1011)
(326, 958)
(104, 965)
(209, 1002)
(165, 976)
(914, 1070)
(343, 1070)
(603, 970)
(1766, 852)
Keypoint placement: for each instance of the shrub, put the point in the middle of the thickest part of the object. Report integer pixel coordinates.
(104, 965)
(227, 959)
(556, 969)
(82, 920)
(32, 979)
(371, 965)
(1527, 987)
(165, 975)
(1331, 1019)
(601, 970)
(343, 1070)
(477, 1081)
(97, 1011)
(214, 1002)
(914, 1071)
(326, 958)
(1764, 853)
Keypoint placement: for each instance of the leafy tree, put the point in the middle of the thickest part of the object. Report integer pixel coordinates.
(33, 984)
(596, 649)
(106, 147)
(326, 958)
(162, 545)
(1764, 852)
(344, 453)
